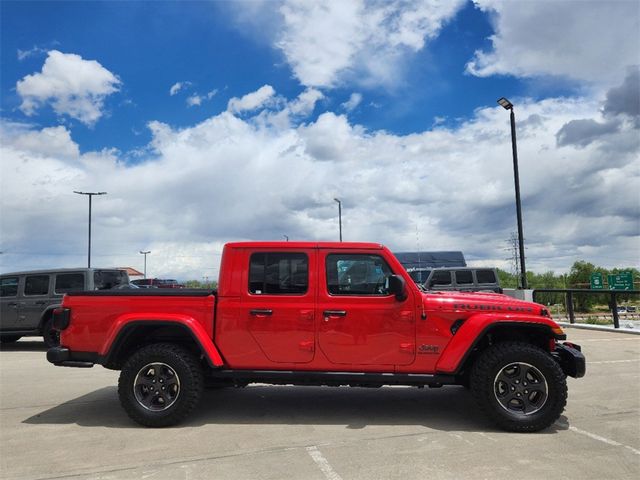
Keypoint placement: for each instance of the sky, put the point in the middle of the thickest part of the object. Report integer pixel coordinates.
(215, 121)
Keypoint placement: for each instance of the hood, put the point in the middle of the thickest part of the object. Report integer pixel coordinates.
(480, 302)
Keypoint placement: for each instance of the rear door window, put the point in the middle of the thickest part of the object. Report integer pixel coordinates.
(69, 282)
(464, 277)
(108, 279)
(36, 285)
(278, 273)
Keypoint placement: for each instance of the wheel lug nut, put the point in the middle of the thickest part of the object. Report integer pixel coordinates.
(517, 381)
(526, 391)
(518, 395)
(513, 389)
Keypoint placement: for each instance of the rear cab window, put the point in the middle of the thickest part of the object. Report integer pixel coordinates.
(278, 273)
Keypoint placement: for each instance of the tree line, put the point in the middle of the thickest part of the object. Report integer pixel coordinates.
(579, 277)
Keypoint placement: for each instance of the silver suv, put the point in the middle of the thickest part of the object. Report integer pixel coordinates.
(462, 279)
(27, 299)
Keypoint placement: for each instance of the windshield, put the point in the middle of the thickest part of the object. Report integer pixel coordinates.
(107, 279)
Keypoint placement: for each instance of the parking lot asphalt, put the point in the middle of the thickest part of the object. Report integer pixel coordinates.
(67, 423)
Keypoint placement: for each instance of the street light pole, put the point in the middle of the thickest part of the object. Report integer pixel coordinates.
(145, 261)
(339, 216)
(286, 237)
(507, 105)
(90, 195)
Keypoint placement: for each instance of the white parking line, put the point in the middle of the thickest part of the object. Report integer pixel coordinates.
(615, 361)
(599, 438)
(323, 464)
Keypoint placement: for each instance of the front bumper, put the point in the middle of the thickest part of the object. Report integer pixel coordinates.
(63, 357)
(571, 359)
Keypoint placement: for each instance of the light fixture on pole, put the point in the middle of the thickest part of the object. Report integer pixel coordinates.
(339, 216)
(286, 237)
(145, 253)
(90, 195)
(507, 105)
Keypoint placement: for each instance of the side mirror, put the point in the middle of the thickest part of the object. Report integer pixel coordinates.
(397, 287)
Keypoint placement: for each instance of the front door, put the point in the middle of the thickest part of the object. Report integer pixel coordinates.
(360, 323)
(278, 304)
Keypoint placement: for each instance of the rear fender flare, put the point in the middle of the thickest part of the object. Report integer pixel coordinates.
(476, 327)
(128, 323)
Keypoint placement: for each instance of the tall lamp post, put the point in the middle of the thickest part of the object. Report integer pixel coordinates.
(90, 195)
(286, 237)
(145, 261)
(507, 105)
(339, 216)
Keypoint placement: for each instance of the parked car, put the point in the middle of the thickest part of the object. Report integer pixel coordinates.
(462, 279)
(157, 283)
(27, 299)
(307, 313)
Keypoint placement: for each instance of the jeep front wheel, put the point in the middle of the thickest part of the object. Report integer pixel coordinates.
(520, 386)
(160, 385)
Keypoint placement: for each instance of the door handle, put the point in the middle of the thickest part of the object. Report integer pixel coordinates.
(12, 304)
(40, 303)
(335, 313)
(260, 311)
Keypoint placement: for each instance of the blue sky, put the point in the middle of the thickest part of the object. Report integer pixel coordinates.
(279, 104)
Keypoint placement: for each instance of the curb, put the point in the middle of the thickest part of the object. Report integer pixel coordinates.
(599, 328)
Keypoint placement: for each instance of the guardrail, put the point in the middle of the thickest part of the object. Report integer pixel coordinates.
(570, 293)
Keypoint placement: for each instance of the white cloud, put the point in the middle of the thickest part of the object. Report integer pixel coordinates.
(197, 99)
(74, 87)
(588, 41)
(330, 42)
(35, 50)
(353, 102)
(52, 141)
(454, 184)
(176, 87)
(251, 101)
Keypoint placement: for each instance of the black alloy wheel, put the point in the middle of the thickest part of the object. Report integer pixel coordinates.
(160, 384)
(519, 386)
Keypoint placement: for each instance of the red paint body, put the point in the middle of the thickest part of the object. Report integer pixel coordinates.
(377, 334)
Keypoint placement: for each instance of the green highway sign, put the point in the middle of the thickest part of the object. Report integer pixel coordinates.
(621, 281)
(596, 281)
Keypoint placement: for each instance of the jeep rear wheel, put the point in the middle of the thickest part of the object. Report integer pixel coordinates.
(50, 335)
(160, 385)
(520, 386)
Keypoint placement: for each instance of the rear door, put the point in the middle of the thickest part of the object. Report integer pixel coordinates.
(35, 300)
(9, 302)
(360, 323)
(278, 303)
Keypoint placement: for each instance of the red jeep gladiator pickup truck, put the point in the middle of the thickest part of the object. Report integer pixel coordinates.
(307, 313)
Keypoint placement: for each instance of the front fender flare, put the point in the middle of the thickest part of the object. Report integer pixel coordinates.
(477, 326)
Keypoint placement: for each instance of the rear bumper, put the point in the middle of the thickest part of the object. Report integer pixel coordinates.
(571, 359)
(63, 357)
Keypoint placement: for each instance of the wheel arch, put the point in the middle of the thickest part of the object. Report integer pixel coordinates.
(137, 334)
(538, 334)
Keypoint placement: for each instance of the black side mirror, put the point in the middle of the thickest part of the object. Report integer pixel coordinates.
(397, 287)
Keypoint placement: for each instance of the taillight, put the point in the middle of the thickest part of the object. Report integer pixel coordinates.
(61, 318)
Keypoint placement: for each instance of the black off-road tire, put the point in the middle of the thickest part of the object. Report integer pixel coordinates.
(154, 366)
(507, 369)
(9, 338)
(50, 335)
